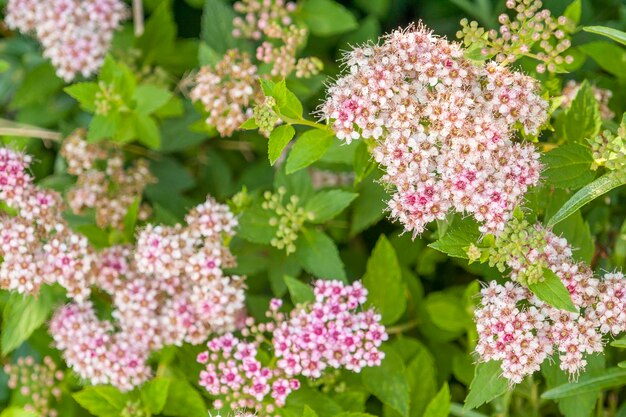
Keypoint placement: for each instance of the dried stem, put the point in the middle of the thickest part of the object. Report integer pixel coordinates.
(138, 17)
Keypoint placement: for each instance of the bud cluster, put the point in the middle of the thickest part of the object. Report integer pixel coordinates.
(75, 34)
(289, 218)
(533, 32)
(37, 383)
(329, 333)
(444, 127)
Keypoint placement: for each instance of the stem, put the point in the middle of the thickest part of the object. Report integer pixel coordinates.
(303, 122)
(10, 128)
(400, 328)
(138, 17)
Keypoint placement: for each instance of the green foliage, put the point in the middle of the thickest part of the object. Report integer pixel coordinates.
(486, 385)
(582, 120)
(568, 166)
(552, 291)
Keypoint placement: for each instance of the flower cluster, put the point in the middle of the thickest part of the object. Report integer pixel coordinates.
(515, 327)
(602, 96)
(168, 289)
(444, 127)
(75, 34)
(289, 219)
(534, 33)
(229, 90)
(329, 333)
(104, 183)
(37, 383)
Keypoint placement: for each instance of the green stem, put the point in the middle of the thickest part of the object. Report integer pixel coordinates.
(303, 122)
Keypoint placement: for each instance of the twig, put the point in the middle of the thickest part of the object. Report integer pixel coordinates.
(138, 17)
(10, 128)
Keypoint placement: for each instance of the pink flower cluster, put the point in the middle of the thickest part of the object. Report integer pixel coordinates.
(38, 383)
(444, 127)
(327, 333)
(520, 330)
(75, 34)
(168, 289)
(230, 89)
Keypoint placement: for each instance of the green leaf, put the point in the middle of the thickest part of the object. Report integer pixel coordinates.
(589, 382)
(486, 385)
(326, 17)
(370, 206)
(459, 236)
(147, 131)
(440, 405)
(102, 401)
(446, 312)
(552, 291)
(101, 127)
(279, 138)
(388, 382)
(585, 195)
(308, 412)
(327, 204)
(579, 405)
(383, 280)
(150, 98)
(319, 256)
(254, 225)
(18, 412)
(183, 400)
(299, 291)
(309, 147)
(610, 57)
(582, 120)
(614, 34)
(619, 343)
(568, 166)
(154, 394)
(130, 220)
(422, 376)
(39, 84)
(159, 34)
(22, 315)
(574, 11)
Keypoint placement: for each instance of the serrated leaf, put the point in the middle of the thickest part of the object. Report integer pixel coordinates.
(85, 94)
(609, 56)
(150, 98)
(327, 204)
(486, 385)
(459, 236)
(583, 120)
(22, 315)
(440, 405)
(101, 401)
(568, 166)
(299, 291)
(154, 394)
(383, 280)
(589, 382)
(309, 147)
(147, 131)
(614, 34)
(552, 291)
(585, 195)
(254, 225)
(388, 382)
(183, 400)
(279, 138)
(318, 255)
(101, 127)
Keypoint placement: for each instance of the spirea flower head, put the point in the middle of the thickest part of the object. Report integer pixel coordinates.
(517, 328)
(443, 127)
(37, 383)
(75, 34)
(104, 183)
(329, 333)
